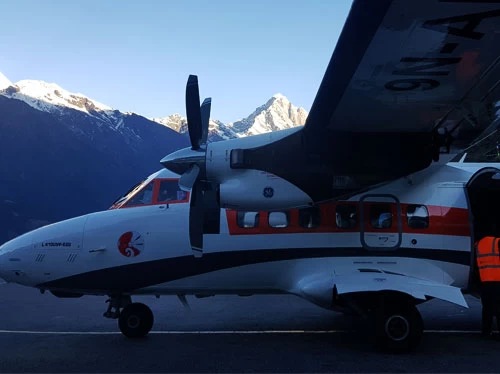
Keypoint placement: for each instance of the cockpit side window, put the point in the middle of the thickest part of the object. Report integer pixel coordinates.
(143, 197)
(157, 191)
(170, 191)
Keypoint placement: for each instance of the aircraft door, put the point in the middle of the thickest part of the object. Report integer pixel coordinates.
(380, 218)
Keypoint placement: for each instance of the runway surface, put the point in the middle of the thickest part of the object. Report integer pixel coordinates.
(41, 333)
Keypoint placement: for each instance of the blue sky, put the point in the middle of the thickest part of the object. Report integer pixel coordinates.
(136, 55)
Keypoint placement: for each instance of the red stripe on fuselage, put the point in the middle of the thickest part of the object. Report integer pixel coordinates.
(442, 221)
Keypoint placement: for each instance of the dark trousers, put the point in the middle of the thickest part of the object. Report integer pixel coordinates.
(490, 298)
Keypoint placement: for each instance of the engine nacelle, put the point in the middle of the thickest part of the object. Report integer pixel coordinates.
(259, 190)
(246, 188)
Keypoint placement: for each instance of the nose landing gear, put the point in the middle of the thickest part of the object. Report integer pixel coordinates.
(135, 320)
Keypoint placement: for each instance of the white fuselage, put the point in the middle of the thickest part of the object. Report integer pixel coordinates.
(83, 254)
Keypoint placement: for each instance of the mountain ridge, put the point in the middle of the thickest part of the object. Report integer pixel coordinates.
(70, 155)
(66, 161)
(277, 113)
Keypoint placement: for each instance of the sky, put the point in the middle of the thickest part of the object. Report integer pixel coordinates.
(136, 56)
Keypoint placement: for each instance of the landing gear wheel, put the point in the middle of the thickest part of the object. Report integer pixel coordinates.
(135, 320)
(399, 327)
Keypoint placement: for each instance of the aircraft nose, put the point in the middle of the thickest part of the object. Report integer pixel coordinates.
(18, 255)
(11, 254)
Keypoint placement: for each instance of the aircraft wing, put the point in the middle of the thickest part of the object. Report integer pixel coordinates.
(381, 281)
(403, 77)
(409, 65)
(317, 288)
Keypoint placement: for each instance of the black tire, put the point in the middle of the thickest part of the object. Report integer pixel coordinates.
(135, 320)
(399, 327)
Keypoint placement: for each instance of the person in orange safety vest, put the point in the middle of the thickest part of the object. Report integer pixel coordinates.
(488, 262)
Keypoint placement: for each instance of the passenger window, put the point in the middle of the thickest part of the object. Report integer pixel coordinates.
(170, 191)
(310, 217)
(143, 197)
(345, 216)
(248, 219)
(418, 216)
(278, 219)
(381, 216)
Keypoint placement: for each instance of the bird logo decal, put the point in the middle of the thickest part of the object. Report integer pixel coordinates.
(131, 244)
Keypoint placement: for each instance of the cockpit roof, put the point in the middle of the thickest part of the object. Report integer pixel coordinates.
(162, 173)
(152, 196)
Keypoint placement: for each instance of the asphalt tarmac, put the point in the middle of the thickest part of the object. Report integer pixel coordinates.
(41, 333)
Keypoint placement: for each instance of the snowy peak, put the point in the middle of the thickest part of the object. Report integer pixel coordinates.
(50, 97)
(174, 121)
(216, 129)
(279, 96)
(276, 114)
(4, 82)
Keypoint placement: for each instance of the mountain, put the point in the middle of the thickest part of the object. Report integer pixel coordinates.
(216, 129)
(51, 98)
(276, 114)
(64, 154)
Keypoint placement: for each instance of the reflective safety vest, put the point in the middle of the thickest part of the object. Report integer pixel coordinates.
(488, 259)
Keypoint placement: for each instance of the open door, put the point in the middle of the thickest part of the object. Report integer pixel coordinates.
(483, 196)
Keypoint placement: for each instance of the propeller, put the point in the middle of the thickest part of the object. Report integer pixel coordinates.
(191, 163)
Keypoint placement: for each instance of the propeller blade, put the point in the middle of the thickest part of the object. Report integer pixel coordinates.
(205, 118)
(193, 111)
(196, 215)
(188, 179)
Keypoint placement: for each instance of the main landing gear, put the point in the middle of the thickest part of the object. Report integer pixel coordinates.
(398, 326)
(134, 319)
(393, 318)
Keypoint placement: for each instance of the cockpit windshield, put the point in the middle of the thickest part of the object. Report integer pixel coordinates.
(143, 196)
(155, 192)
(129, 193)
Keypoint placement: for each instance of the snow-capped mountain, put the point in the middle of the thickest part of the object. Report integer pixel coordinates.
(179, 123)
(69, 155)
(51, 98)
(81, 154)
(276, 114)
(216, 129)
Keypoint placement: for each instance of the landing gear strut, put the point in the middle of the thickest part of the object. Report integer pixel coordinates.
(115, 304)
(135, 320)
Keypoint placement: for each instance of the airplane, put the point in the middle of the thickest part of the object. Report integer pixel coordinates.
(359, 211)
